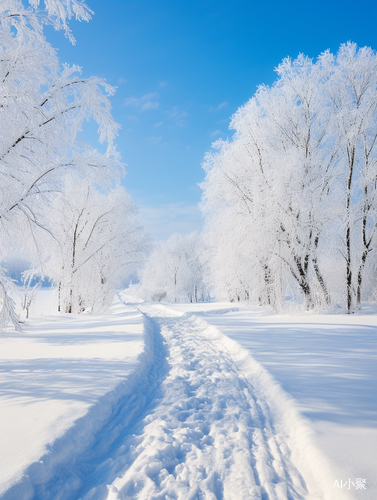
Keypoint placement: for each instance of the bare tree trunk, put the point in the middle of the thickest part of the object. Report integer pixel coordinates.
(302, 280)
(268, 281)
(360, 277)
(321, 282)
(351, 159)
(319, 275)
(367, 241)
(69, 306)
(59, 295)
(349, 270)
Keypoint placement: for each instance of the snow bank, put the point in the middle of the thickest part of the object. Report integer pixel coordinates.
(328, 363)
(307, 457)
(61, 379)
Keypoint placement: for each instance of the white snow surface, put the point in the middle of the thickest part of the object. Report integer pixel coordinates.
(59, 381)
(207, 401)
(328, 363)
(218, 428)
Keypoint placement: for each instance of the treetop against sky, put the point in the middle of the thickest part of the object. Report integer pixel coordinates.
(182, 69)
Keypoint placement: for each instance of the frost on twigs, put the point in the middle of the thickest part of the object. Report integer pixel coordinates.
(175, 271)
(43, 108)
(54, 12)
(28, 292)
(290, 201)
(98, 243)
(7, 305)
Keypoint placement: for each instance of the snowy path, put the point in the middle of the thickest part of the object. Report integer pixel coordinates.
(208, 435)
(205, 422)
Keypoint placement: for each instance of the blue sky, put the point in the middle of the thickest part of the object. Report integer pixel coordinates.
(182, 69)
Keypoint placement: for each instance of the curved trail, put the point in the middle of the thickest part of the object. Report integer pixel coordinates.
(199, 426)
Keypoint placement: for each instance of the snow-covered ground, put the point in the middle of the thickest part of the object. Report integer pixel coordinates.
(61, 370)
(218, 428)
(205, 401)
(328, 363)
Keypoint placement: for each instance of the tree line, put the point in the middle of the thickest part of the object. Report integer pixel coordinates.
(290, 201)
(58, 203)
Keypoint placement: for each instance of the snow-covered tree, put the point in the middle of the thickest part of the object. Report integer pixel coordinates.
(353, 92)
(300, 170)
(275, 176)
(174, 271)
(42, 110)
(97, 244)
(7, 304)
(57, 13)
